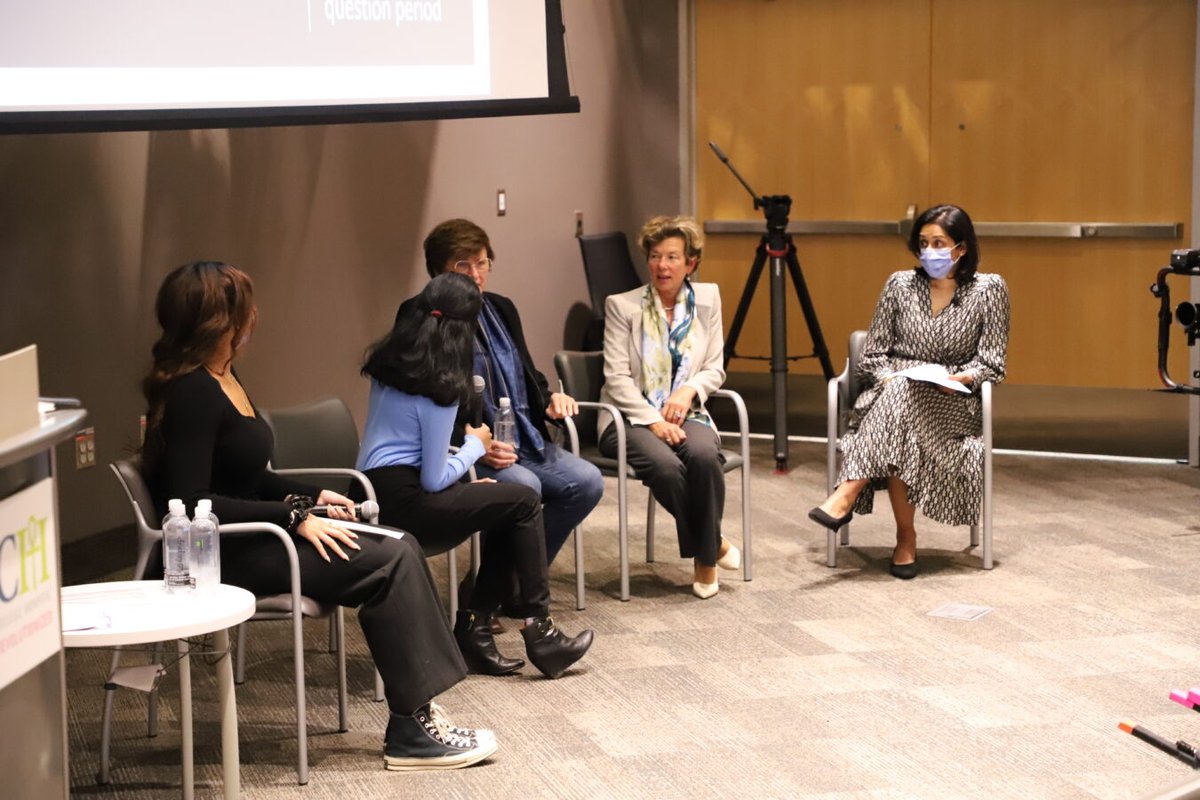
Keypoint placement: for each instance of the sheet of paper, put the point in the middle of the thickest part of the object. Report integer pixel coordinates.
(83, 617)
(143, 678)
(19, 398)
(932, 373)
(961, 611)
(361, 527)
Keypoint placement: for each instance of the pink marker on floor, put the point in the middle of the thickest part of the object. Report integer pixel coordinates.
(1183, 698)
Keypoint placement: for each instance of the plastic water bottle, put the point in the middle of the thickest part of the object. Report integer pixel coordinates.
(176, 577)
(205, 545)
(504, 429)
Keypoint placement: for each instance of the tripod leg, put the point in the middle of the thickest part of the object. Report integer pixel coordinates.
(779, 360)
(739, 316)
(810, 312)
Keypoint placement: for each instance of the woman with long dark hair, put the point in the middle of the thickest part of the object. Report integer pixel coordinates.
(205, 439)
(920, 441)
(420, 374)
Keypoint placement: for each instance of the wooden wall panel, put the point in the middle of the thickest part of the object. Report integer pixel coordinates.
(1071, 110)
(809, 101)
(1019, 110)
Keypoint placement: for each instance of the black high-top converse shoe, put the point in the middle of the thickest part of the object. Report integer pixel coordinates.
(427, 740)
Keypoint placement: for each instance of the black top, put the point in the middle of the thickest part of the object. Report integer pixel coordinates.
(205, 447)
(537, 388)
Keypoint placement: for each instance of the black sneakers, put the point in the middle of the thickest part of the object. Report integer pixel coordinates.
(428, 740)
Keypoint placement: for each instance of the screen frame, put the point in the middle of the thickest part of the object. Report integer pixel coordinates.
(559, 101)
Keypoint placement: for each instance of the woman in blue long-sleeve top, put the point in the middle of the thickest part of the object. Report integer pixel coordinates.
(420, 374)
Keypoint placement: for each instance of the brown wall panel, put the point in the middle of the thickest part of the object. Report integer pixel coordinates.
(1018, 110)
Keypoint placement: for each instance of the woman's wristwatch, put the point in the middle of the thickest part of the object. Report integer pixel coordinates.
(301, 504)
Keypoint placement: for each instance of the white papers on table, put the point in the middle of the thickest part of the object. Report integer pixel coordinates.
(83, 617)
(932, 373)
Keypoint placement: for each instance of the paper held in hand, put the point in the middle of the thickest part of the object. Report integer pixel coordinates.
(932, 373)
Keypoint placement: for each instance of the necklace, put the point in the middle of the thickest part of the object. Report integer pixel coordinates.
(215, 373)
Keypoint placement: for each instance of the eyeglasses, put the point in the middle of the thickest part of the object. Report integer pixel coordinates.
(482, 267)
(673, 259)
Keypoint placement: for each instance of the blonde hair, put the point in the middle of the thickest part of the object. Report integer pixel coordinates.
(659, 228)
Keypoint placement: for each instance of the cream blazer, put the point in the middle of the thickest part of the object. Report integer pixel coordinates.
(623, 354)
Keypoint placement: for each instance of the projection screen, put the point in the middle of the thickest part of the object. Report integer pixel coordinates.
(98, 65)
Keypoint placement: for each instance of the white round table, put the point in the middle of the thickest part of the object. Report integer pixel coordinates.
(142, 612)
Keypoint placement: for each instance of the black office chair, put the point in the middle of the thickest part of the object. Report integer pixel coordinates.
(609, 269)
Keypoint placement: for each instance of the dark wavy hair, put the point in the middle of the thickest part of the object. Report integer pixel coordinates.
(197, 304)
(430, 351)
(454, 240)
(958, 226)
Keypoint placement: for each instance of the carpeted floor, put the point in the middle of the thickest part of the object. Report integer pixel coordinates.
(807, 682)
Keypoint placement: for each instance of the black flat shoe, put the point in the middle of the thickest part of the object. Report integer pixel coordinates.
(832, 523)
(905, 572)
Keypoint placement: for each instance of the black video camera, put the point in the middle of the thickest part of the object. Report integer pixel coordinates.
(1183, 262)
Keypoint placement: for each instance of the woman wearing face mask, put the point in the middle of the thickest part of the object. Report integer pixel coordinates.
(920, 441)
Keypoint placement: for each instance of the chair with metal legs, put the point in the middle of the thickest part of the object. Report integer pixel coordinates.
(842, 391)
(582, 376)
(319, 439)
(293, 606)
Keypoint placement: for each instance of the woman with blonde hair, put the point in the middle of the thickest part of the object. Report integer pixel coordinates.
(663, 356)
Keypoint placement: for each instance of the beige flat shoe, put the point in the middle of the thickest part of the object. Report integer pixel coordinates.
(705, 590)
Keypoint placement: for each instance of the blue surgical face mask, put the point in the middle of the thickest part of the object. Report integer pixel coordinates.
(938, 261)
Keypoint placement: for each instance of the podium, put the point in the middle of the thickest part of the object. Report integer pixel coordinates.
(33, 755)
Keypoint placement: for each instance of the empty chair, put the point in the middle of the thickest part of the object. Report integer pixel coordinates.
(609, 269)
(842, 392)
(582, 376)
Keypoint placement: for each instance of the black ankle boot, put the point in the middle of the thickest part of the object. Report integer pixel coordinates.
(550, 650)
(473, 632)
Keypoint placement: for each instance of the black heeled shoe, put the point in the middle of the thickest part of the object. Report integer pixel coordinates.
(832, 523)
(552, 651)
(905, 572)
(473, 632)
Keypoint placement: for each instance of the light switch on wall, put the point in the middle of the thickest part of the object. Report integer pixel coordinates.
(501, 202)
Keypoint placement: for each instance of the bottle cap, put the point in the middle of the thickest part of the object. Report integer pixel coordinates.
(505, 402)
(176, 507)
(204, 506)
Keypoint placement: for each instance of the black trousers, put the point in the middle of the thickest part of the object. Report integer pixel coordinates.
(688, 481)
(401, 616)
(509, 515)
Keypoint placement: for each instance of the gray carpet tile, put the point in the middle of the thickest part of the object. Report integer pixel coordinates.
(806, 682)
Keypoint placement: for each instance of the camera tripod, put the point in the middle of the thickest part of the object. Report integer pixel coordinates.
(776, 244)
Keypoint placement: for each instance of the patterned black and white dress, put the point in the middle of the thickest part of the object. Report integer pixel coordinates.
(929, 439)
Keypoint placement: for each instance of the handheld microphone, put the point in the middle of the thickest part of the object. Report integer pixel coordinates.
(477, 405)
(367, 509)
